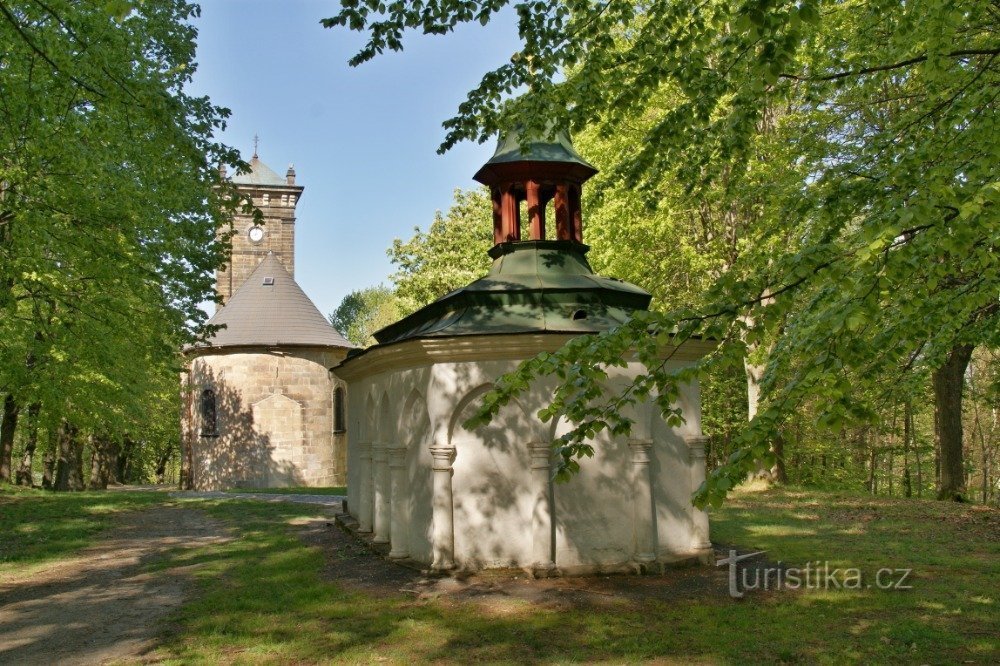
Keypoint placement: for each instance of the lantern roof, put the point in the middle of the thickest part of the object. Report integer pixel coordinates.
(546, 154)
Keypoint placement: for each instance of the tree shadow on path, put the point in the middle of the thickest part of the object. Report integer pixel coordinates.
(107, 603)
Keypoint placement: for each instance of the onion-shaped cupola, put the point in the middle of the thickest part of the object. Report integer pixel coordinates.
(536, 285)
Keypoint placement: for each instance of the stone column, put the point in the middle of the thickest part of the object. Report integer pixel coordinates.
(699, 517)
(381, 482)
(365, 499)
(541, 515)
(443, 506)
(398, 501)
(643, 525)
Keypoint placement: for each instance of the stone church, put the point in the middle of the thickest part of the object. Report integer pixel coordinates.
(261, 408)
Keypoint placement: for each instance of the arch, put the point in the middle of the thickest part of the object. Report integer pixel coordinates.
(460, 406)
(414, 419)
(384, 416)
(474, 394)
(368, 427)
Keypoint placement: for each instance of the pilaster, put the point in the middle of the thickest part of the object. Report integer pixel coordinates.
(382, 490)
(699, 517)
(541, 515)
(644, 527)
(398, 502)
(443, 506)
(365, 498)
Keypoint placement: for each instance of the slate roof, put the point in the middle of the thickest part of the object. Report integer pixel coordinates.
(273, 315)
(260, 174)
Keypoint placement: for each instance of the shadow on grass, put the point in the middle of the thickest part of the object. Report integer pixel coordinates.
(41, 526)
(264, 598)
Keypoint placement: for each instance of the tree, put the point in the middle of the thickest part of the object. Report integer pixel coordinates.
(364, 311)
(107, 242)
(890, 124)
(449, 255)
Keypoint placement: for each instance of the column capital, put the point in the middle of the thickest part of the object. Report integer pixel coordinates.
(365, 450)
(443, 457)
(640, 449)
(696, 445)
(396, 455)
(380, 451)
(541, 455)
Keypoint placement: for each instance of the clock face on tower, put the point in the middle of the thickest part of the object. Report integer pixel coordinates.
(256, 234)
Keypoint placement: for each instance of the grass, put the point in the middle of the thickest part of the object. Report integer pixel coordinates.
(264, 599)
(38, 527)
(332, 490)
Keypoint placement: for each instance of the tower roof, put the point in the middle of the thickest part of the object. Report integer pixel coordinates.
(271, 310)
(512, 149)
(260, 174)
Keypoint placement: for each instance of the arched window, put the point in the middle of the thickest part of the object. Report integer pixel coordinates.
(339, 420)
(208, 414)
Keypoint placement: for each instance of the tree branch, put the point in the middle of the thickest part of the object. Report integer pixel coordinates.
(883, 68)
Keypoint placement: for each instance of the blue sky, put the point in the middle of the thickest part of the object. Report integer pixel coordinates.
(363, 140)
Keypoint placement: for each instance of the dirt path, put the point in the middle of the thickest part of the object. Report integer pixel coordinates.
(103, 605)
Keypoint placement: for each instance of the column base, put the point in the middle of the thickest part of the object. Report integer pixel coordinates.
(544, 570)
(379, 539)
(398, 555)
(705, 554)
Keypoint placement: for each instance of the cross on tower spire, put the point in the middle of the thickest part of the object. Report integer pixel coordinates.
(256, 142)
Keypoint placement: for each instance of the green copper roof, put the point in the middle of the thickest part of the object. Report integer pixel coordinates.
(533, 286)
(558, 150)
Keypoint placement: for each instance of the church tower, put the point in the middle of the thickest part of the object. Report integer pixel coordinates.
(276, 198)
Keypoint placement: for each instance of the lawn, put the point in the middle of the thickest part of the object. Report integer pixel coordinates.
(265, 600)
(38, 527)
(266, 597)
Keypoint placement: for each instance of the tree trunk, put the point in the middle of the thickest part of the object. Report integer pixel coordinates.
(161, 465)
(907, 434)
(187, 467)
(100, 462)
(69, 462)
(948, 382)
(778, 473)
(24, 473)
(916, 455)
(122, 460)
(872, 479)
(8, 424)
(49, 462)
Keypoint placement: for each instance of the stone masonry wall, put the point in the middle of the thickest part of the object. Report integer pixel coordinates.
(279, 238)
(274, 420)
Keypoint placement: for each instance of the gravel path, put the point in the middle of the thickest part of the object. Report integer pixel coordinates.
(335, 502)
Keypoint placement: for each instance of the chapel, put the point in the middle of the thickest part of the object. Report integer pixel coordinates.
(261, 409)
(446, 497)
